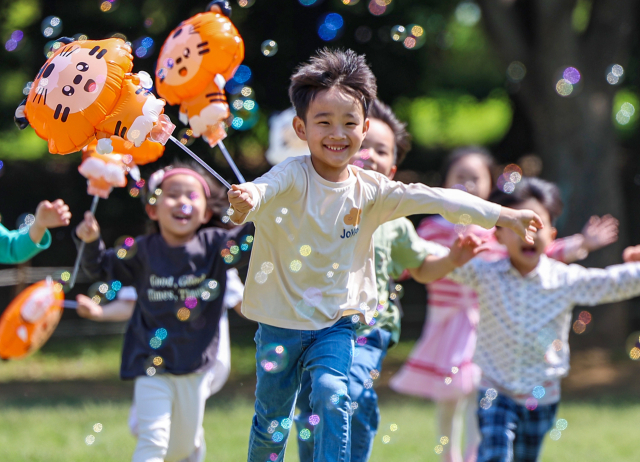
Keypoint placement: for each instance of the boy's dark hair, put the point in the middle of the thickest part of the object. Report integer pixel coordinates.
(344, 69)
(217, 203)
(543, 191)
(384, 113)
(460, 153)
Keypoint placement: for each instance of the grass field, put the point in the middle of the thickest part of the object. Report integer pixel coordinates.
(51, 425)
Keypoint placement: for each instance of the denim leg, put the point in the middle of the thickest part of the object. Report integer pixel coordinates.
(366, 416)
(303, 403)
(328, 360)
(278, 371)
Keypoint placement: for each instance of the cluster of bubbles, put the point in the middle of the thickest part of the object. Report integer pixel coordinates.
(135, 189)
(269, 48)
(570, 77)
(153, 197)
(125, 247)
(101, 292)
(468, 13)
(444, 440)
(386, 439)
(489, 396)
(51, 26)
(232, 251)
(273, 358)
(625, 113)
(330, 26)
(155, 364)
(143, 47)
(14, 40)
(580, 325)
(448, 379)
(556, 433)
(108, 6)
(159, 336)
(615, 74)
(61, 281)
(511, 176)
(412, 36)
(244, 107)
(24, 222)
(90, 439)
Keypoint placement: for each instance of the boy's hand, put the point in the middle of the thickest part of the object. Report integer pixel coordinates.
(52, 214)
(465, 248)
(87, 308)
(241, 200)
(88, 230)
(522, 222)
(631, 254)
(599, 232)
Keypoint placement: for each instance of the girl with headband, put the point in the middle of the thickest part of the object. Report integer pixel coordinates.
(172, 340)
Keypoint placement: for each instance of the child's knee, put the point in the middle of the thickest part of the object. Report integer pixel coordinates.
(329, 392)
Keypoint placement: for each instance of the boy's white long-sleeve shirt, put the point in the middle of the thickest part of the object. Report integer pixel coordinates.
(313, 259)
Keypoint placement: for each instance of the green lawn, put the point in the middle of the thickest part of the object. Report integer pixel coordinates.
(50, 402)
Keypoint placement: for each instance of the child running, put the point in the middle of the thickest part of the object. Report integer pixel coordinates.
(526, 300)
(397, 247)
(18, 246)
(172, 340)
(312, 274)
(440, 366)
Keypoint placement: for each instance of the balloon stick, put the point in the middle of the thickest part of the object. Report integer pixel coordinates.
(76, 266)
(233, 165)
(200, 161)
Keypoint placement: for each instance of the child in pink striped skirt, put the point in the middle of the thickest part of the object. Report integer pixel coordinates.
(440, 366)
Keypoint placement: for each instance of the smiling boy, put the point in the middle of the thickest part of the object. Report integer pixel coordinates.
(307, 287)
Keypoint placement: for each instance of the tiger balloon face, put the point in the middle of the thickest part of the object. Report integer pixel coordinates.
(75, 90)
(72, 81)
(182, 56)
(199, 49)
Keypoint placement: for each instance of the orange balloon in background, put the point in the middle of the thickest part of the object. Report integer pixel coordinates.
(30, 319)
(85, 91)
(195, 62)
(105, 171)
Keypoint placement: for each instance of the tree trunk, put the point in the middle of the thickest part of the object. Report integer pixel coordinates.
(574, 135)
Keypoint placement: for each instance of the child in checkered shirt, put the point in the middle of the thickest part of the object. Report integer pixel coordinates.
(526, 300)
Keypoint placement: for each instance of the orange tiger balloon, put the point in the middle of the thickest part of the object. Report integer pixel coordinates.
(30, 319)
(105, 171)
(85, 90)
(195, 62)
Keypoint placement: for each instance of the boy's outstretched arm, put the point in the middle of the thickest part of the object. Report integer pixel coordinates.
(436, 267)
(522, 222)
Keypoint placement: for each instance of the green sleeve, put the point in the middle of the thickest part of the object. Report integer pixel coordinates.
(408, 250)
(17, 247)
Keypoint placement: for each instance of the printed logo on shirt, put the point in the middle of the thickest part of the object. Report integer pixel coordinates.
(351, 219)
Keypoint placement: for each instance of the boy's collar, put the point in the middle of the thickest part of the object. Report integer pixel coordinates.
(505, 265)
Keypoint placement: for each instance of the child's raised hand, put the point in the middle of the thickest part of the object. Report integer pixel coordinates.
(522, 222)
(465, 248)
(599, 232)
(240, 198)
(52, 214)
(631, 254)
(87, 308)
(88, 230)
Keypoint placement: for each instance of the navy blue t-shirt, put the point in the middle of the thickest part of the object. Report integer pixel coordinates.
(174, 326)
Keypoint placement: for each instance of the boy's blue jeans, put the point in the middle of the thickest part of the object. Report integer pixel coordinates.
(282, 356)
(366, 416)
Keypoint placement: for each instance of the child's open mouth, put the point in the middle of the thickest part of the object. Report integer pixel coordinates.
(181, 217)
(336, 148)
(529, 251)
